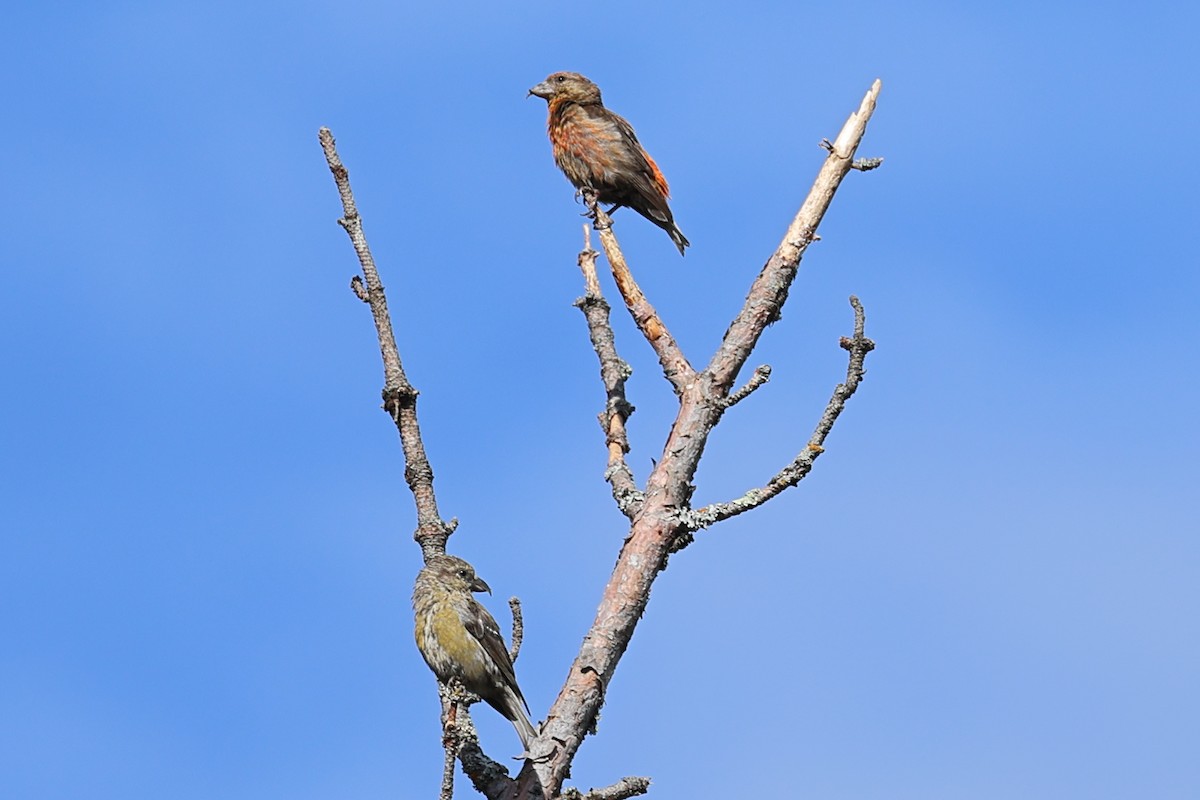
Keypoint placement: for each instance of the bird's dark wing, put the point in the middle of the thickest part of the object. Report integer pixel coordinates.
(482, 626)
(644, 177)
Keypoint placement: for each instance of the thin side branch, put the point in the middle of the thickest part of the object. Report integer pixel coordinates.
(860, 164)
(866, 164)
(399, 396)
(770, 289)
(622, 789)
(761, 375)
(858, 346)
(450, 744)
(675, 366)
(518, 628)
(587, 265)
(613, 372)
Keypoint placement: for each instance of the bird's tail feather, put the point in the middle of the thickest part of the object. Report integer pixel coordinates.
(678, 238)
(524, 728)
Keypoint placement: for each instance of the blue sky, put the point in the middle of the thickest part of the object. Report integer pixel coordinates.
(986, 589)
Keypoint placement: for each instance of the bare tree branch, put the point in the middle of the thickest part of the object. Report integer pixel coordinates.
(450, 745)
(490, 778)
(518, 629)
(858, 346)
(761, 375)
(622, 789)
(613, 372)
(459, 738)
(399, 396)
(860, 164)
(770, 289)
(675, 366)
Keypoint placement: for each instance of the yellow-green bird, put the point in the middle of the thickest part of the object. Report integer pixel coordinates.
(460, 639)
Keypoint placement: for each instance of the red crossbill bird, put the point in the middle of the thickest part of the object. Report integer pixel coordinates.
(460, 639)
(598, 150)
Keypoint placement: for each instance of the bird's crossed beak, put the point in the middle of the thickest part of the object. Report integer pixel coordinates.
(480, 585)
(542, 90)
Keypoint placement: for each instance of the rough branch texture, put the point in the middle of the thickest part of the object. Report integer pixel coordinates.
(770, 289)
(622, 789)
(399, 396)
(613, 371)
(660, 514)
(675, 367)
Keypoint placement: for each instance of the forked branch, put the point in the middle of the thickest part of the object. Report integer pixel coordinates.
(675, 366)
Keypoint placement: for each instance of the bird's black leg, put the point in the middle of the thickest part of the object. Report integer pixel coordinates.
(593, 204)
(587, 196)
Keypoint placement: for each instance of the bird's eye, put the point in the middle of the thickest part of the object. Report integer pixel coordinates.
(462, 573)
(561, 79)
